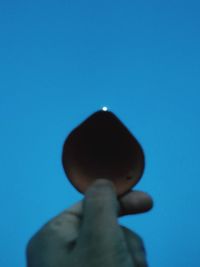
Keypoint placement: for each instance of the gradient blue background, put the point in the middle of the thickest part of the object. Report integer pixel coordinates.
(62, 60)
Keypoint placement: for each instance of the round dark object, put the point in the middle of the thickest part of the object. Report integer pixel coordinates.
(102, 147)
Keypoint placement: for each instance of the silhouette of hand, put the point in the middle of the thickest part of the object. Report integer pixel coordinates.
(88, 234)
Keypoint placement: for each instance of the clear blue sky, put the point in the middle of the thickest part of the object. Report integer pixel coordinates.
(62, 60)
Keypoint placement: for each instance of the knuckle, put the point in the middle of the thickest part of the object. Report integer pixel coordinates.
(31, 246)
(39, 238)
(135, 238)
(140, 259)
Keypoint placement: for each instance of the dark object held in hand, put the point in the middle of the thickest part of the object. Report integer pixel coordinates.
(102, 147)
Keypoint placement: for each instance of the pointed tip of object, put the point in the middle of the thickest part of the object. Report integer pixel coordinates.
(104, 108)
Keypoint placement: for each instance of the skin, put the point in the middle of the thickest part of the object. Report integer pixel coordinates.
(88, 233)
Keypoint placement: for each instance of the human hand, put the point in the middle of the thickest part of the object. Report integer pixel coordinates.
(88, 234)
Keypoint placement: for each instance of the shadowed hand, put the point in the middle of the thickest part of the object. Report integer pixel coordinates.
(88, 233)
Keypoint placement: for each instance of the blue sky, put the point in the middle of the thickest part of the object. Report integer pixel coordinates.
(62, 60)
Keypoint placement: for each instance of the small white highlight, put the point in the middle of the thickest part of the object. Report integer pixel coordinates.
(104, 108)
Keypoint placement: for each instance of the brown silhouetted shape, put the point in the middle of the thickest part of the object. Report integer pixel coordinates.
(102, 147)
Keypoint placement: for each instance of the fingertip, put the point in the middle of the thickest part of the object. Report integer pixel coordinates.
(135, 202)
(147, 201)
(151, 202)
(101, 182)
(100, 187)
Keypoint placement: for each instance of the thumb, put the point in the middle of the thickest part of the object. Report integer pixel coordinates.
(100, 211)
